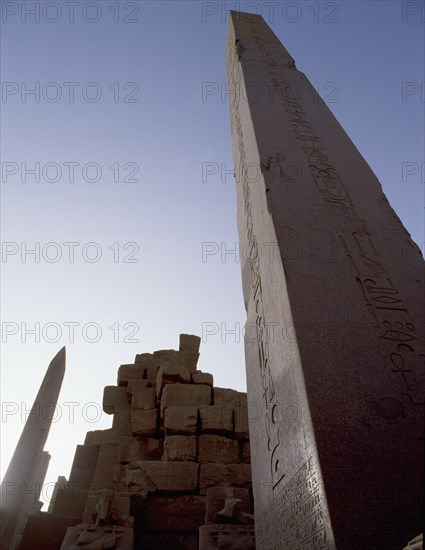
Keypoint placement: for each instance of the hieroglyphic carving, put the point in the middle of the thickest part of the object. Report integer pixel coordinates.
(323, 170)
(381, 297)
(270, 420)
(296, 516)
(383, 300)
(305, 526)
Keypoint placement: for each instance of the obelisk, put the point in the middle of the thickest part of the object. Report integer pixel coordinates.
(20, 485)
(333, 288)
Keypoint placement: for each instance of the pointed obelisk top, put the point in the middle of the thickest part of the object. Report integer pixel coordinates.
(25, 460)
(59, 359)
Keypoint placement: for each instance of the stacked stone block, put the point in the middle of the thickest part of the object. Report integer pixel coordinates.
(154, 478)
(187, 437)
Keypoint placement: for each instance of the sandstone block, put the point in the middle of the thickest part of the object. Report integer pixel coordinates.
(224, 475)
(216, 497)
(61, 483)
(216, 418)
(166, 356)
(144, 398)
(47, 532)
(145, 360)
(144, 422)
(217, 449)
(122, 412)
(189, 359)
(225, 396)
(241, 417)
(150, 374)
(111, 398)
(188, 395)
(103, 437)
(171, 373)
(83, 466)
(68, 501)
(162, 476)
(239, 401)
(107, 458)
(189, 342)
(180, 447)
(178, 513)
(199, 377)
(246, 453)
(180, 420)
(135, 385)
(139, 448)
(136, 480)
(129, 372)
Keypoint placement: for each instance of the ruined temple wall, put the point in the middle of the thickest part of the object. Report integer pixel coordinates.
(177, 453)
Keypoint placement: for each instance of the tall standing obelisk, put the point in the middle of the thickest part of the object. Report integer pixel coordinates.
(333, 285)
(19, 485)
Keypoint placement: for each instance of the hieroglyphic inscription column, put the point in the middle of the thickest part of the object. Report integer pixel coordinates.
(333, 288)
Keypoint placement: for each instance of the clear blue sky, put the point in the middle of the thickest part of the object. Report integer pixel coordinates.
(147, 64)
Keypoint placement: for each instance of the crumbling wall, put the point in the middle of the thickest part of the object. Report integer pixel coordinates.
(176, 458)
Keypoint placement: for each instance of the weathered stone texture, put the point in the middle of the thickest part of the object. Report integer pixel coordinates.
(46, 532)
(69, 502)
(217, 419)
(162, 476)
(136, 385)
(199, 377)
(188, 394)
(225, 396)
(144, 422)
(241, 417)
(339, 427)
(129, 372)
(246, 453)
(224, 475)
(103, 437)
(181, 420)
(110, 396)
(169, 443)
(189, 359)
(189, 342)
(143, 398)
(107, 458)
(144, 360)
(171, 373)
(177, 513)
(217, 449)
(139, 448)
(84, 466)
(180, 447)
(150, 374)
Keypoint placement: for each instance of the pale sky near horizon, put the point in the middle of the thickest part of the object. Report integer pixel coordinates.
(120, 158)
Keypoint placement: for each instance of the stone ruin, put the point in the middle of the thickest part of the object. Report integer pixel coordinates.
(173, 471)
